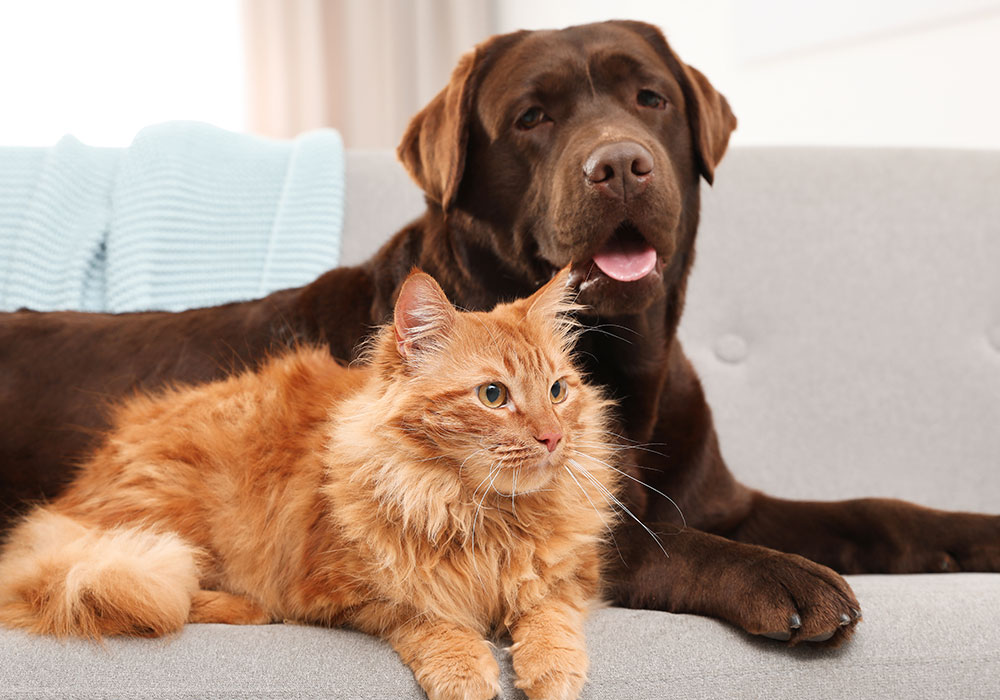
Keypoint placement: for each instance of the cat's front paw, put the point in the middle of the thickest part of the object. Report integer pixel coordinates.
(548, 672)
(461, 676)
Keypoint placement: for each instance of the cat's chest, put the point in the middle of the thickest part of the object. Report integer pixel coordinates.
(484, 580)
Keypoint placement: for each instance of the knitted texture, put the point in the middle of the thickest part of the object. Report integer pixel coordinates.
(189, 215)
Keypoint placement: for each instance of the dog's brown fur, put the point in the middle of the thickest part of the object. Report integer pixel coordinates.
(506, 207)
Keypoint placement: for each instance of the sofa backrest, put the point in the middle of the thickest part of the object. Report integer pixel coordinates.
(843, 313)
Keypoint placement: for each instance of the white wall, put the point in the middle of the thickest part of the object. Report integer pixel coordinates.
(852, 72)
(103, 69)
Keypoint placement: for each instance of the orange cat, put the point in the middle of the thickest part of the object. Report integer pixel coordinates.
(457, 485)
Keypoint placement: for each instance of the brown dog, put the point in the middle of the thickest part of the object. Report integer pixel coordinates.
(582, 146)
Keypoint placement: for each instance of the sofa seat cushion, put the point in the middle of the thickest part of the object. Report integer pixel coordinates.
(923, 636)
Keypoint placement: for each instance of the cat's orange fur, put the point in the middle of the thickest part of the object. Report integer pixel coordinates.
(386, 497)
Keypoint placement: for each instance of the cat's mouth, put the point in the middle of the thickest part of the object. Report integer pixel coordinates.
(529, 476)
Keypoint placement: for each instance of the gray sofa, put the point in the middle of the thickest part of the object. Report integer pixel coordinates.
(844, 315)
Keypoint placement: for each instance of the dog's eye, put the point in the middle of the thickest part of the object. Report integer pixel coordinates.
(648, 98)
(531, 118)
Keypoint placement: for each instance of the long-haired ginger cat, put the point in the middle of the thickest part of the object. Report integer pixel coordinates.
(457, 485)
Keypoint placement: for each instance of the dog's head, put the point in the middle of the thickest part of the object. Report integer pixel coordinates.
(581, 146)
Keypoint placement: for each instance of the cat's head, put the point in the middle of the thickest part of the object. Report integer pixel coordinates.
(496, 393)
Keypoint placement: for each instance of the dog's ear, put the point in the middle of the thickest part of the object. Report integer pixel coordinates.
(708, 112)
(712, 120)
(435, 143)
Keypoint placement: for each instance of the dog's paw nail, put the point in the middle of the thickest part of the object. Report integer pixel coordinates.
(845, 619)
(856, 613)
(780, 636)
(794, 621)
(820, 637)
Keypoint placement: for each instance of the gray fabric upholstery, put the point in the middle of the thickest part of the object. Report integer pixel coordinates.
(866, 286)
(923, 637)
(381, 199)
(844, 314)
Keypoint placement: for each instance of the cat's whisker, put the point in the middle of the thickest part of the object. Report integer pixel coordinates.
(622, 448)
(479, 486)
(485, 494)
(467, 458)
(494, 472)
(643, 448)
(625, 440)
(487, 328)
(621, 505)
(615, 325)
(429, 459)
(514, 454)
(633, 331)
(513, 490)
(616, 514)
(629, 444)
(594, 506)
(598, 329)
(638, 481)
(632, 443)
(620, 461)
(511, 450)
(500, 466)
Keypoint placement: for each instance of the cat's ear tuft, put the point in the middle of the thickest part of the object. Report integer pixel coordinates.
(554, 299)
(423, 315)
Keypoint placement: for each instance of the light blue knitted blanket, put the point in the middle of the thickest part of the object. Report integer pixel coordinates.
(189, 215)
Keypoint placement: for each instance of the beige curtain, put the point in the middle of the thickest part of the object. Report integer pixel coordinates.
(361, 66)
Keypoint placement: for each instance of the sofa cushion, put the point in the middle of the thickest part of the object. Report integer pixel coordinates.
(923, 636)
(861, 288)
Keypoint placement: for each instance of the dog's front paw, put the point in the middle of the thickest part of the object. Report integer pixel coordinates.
(466, 674)
(548, 672)
(790, 598)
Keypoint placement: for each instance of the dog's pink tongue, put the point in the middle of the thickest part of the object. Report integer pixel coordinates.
(626, 261)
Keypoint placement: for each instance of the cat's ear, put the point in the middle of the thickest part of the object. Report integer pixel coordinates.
(554, 299)
(423, 315)
(554, 305)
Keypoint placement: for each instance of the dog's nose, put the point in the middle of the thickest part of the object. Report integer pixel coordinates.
(619, 170)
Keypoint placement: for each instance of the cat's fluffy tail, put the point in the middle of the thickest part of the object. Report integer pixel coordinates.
(61, 577)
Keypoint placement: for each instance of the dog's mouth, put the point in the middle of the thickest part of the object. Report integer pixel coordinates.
(626, 256)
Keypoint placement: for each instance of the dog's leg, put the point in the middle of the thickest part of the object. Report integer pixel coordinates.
(874, 535)
(764, 591)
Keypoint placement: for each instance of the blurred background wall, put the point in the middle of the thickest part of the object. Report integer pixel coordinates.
(851, 72)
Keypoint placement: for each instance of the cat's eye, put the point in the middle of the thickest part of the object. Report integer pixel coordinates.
(493, 395)
(557, 392)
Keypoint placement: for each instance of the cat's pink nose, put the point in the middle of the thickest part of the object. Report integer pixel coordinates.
(551, 438)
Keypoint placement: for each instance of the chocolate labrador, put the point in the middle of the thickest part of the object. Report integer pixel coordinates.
(584, 146)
